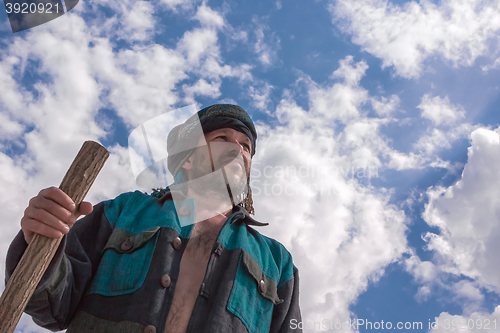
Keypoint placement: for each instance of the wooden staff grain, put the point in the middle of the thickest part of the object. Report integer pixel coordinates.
(37, 257)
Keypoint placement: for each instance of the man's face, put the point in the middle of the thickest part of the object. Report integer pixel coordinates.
(229, 149)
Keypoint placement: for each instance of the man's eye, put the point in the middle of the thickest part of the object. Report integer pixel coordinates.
(247, 147)
(221, 136)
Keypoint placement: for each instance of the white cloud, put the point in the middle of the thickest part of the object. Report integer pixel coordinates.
(133, 21)
(261, 96)
(423, 293)
(180, 5)
(142, 80)
(198, 43)
(26, 325)
(440, 110)
(476, 322)
(341, 101)
(9, 129)
(436, 139)
(239, 35)
(209, 17)
(494, 65)
(467, 215)
(469, 291)
(405, 36)
(385, 107)
(348, 71)
(400, 161)
(432, 278)
(202, 88)
(447, 125)
(266, 45)
(139, 21)
(422, 271)
(344, 102)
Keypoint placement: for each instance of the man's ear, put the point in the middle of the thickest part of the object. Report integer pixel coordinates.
(188, 165)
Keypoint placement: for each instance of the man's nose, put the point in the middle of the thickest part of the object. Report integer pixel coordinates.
(236, 145)
(236, 151)
(228, 149)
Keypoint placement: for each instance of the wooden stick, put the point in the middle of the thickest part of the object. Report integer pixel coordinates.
(37, 257)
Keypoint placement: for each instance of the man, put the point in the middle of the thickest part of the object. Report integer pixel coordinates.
(184, 259)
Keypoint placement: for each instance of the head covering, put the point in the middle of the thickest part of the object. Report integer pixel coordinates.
(184, 137)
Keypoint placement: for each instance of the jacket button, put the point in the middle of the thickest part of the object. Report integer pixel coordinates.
(176, 243)
(149, 329)
(262, 286)
(165, 281)
(184, 211)
(126, 245)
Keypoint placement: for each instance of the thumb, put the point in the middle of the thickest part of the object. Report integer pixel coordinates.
(85, 208)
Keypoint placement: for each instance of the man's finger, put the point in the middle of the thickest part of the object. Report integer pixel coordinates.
(52, 207)
(44, 217)
(41, 228)
(57, 195)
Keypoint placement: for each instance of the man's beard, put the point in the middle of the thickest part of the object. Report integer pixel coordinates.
(210, 183)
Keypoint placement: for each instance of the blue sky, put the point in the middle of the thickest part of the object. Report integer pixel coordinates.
(406, 89)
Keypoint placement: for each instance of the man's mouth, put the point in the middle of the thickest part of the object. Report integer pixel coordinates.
(233, 161)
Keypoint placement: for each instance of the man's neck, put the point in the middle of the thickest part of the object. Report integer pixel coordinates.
(211, 226)
(210, 208)
(217, 220)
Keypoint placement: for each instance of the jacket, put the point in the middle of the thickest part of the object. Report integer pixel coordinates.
(117, 268)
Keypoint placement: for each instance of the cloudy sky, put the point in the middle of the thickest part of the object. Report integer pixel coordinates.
(378, 123)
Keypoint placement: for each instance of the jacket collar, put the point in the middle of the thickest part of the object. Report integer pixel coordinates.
(238, 213)
(245, 216)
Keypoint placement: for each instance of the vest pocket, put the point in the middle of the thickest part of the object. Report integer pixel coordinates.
(253, 295)
(125, 262)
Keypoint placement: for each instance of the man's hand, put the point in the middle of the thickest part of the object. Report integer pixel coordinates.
(51, 213)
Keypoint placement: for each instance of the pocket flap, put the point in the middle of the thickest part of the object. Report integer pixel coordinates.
(266, 286)
(133, 242)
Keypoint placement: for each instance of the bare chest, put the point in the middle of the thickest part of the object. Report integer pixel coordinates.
(191, 274)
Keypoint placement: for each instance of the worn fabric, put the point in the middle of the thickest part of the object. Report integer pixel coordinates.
(184, 137)
(97, 283)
